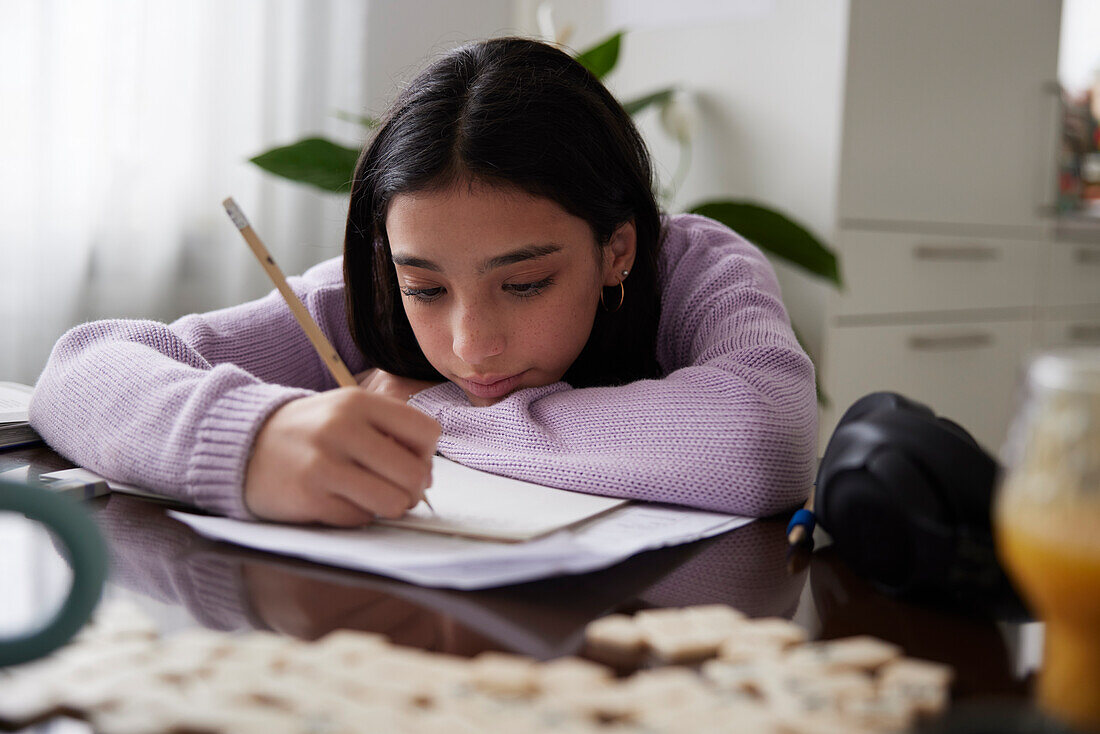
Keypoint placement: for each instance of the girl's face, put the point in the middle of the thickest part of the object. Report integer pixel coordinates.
(500, 287)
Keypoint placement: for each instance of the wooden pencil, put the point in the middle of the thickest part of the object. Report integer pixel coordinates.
(328, 353)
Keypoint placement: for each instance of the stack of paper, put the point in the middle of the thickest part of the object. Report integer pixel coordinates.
(432, 559)
(15, 399)
(486, 531)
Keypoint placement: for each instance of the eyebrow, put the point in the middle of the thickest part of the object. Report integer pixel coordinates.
(530, 252)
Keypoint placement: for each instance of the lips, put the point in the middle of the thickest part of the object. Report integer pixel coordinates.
(490, 387)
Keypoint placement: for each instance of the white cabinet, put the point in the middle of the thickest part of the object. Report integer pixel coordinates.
(1073, 276)
(965, 371)
(894, 273)
(950, 112)
(944, 229)
(951, 320)
(1069, 314)
(1080, 329)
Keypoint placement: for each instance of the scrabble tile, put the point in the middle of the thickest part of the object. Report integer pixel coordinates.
(126, 680)
(504, 674)
(782, 631)
(680, 635)
(862, 653)
(570, 673)
(747, 647)
(615, 631)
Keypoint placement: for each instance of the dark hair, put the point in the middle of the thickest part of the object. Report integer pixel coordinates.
(508, 112)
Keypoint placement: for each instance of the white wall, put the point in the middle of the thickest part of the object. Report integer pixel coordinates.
(768, 77)
(403, 35)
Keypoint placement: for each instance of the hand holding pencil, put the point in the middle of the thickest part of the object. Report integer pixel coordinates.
(340, 457)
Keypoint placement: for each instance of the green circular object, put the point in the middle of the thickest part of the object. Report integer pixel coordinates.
(87, 555)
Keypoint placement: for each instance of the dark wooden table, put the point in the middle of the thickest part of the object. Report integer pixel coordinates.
(182, 580)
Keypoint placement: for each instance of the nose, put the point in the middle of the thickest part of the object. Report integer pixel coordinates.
(479, 333)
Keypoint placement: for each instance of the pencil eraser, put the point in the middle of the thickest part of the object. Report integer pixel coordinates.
(235, 213)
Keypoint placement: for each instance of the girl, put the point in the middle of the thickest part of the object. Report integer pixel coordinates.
(511, 297)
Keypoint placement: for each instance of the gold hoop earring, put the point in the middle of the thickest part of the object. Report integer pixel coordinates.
(622, 297)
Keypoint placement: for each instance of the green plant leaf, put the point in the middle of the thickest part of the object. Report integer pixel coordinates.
(601, 58)
(660, 97)
(774, 232)
(364, 120)
(314, 161)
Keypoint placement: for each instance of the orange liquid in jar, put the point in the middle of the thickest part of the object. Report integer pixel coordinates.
(1053, 555)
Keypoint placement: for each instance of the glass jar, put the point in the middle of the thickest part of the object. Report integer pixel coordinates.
(1047, 523)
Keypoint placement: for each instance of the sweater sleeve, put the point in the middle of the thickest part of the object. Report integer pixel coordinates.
(731, 427)
(175, 407)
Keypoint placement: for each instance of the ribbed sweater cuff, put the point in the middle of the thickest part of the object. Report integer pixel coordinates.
(223, 444)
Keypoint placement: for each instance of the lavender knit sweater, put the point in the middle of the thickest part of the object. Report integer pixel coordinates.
(731, 427)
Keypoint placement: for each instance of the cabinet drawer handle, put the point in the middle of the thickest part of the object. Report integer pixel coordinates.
(1088, 255)
(1085, 333)
(954, 341)
(955, 253)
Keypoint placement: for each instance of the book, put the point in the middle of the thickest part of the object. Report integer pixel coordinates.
(15, 428)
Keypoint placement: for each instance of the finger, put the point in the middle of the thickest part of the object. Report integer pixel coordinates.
(364, 377)
(332, 509)
(369, 491)
(390, 460)
(407, 425)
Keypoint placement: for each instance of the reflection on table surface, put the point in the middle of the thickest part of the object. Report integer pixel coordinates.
(226, 587)
(183, 580)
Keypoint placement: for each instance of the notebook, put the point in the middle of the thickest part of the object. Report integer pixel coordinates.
(476, 504)
(15, 399)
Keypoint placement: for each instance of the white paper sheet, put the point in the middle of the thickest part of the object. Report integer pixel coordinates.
(482, 505)
(467, 502)
(15, 399)
(448, 561)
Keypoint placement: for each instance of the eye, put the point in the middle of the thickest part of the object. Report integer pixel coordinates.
(527, 290)
(424, 295)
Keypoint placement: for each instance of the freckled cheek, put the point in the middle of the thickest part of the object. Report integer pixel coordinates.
(556, 338)
(433, 338)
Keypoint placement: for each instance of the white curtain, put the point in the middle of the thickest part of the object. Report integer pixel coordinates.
(123, 125)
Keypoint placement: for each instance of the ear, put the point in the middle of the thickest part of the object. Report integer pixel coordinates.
(619, 253)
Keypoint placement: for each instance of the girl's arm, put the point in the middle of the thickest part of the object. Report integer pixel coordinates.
(732, 427)
(175, 407)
